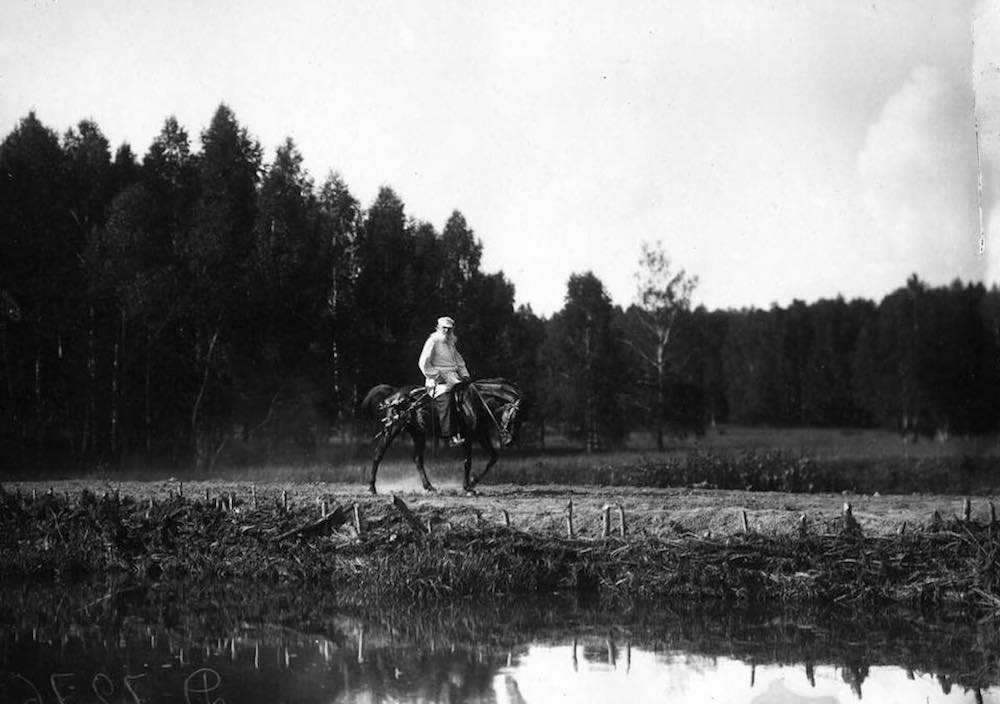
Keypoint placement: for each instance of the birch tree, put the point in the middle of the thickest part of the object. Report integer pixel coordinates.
(662, 294)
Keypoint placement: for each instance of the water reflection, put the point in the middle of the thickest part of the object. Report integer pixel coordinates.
(246, 643)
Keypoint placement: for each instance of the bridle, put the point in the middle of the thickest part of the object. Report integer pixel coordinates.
(507, 414)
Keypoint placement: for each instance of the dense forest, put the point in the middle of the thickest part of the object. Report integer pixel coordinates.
(168, 309)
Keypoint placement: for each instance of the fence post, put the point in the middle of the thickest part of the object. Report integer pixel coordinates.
(850, 523)
(746, 523)
(357, 519)
(621, 521)
(606, 527)
(569, 519)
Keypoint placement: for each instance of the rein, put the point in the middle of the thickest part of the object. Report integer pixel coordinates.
(487, 406)
(496, 423)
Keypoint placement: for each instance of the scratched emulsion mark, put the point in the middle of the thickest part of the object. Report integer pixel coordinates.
(200, 684)
(199, 687)
(986, 96)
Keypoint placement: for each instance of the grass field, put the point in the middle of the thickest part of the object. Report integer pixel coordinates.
(922, 521)
(794, 460)
(791, 460)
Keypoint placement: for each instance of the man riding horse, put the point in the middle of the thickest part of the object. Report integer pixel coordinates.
(445, 376)
(491, 405)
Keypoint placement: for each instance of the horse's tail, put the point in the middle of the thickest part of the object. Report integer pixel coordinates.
(373, 399)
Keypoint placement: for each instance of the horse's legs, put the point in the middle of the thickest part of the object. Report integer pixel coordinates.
(487, 444)
(382, 442)
(467, 446)
(419, 443)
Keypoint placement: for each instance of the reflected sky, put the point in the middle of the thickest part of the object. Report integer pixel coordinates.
(230, 645)
(550, 673)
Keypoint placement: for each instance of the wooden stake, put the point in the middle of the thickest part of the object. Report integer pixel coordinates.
(408, 516)
(206, 495)
(569, 520)
(967, 510)
(746, 523)
(357, 519)
(284, 500)
(606, 527)
(802, 526)
(331, 521)
(621, 521)
(506, 517)
(253, 495)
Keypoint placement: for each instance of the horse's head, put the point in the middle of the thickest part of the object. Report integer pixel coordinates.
(510, 421)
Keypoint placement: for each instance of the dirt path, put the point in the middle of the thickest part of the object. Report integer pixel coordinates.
(543, 509)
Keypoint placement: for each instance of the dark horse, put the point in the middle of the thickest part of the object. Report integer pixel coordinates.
(486, 406)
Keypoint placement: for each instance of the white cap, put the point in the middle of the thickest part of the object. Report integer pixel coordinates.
(446, 322)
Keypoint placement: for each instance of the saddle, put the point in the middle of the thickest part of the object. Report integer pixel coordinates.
(399, 404)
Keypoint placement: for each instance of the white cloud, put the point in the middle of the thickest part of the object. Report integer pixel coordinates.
(986, 79)
(918, 169)
(407, 37)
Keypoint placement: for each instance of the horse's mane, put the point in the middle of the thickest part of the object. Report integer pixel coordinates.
(498, 388)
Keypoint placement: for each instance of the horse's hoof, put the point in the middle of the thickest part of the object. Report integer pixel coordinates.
(469, 491)
(430, 489)
(371, 490)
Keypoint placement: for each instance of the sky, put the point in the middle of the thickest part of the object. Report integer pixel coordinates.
(776, 149)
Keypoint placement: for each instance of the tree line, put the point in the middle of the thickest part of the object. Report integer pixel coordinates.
(171, 308)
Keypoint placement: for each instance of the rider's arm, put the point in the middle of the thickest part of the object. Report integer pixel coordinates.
(460, 363)
(426, 368)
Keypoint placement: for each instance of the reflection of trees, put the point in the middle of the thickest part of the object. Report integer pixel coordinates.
(293, 643)
(855, 675)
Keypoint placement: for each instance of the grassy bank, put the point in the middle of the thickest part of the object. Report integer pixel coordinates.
(467, 552)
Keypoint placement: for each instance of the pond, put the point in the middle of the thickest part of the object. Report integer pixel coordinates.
(233, 643)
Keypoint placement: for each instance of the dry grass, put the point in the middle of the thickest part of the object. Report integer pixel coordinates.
(649, 512)
(678, 543)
